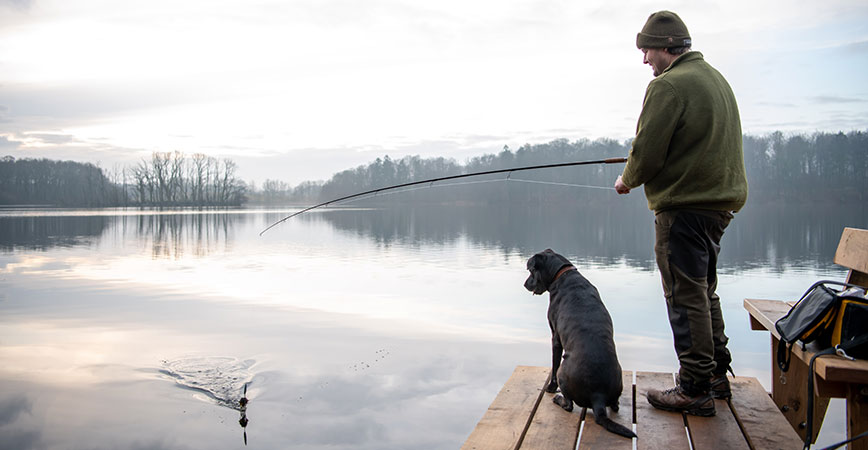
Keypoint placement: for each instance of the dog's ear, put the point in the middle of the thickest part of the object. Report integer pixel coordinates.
(539, 279)
(533, 280)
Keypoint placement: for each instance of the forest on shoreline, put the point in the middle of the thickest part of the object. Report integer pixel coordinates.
(166, 180)
(821, 167)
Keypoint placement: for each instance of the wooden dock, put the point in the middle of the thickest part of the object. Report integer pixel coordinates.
(522, 416)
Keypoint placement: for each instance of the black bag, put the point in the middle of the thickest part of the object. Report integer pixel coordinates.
(837, 320)
(829, 316)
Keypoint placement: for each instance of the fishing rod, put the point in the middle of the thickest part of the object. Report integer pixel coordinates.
(451, 177)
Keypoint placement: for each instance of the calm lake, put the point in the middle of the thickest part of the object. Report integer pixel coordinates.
(360, 328)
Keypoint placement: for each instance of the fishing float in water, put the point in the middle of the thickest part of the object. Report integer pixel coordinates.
(242, 408)
(446, 178)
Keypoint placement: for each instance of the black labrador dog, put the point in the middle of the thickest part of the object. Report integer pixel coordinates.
(590, 374)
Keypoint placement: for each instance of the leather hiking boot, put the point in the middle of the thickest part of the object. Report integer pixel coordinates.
(677, 400)
(720, 387)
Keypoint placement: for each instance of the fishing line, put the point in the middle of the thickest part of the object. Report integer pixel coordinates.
(464, 183)
(431, 182)
(562, 184)
(401, 191)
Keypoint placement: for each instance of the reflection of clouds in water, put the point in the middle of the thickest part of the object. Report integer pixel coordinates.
(27, 263)
(341, 431)
(12, 407)
(20, 439)
(383, 407)
(17, 436)
(315, 389)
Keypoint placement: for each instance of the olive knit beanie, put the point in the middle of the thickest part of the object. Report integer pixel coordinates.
(664, 29)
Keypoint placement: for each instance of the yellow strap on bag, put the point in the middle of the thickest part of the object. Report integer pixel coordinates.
(851, 321)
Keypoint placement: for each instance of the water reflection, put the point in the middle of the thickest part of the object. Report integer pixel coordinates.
(779, 237)
(12, 433)
(170, 235)
(371, 329)
(218, 379)
(43, 233)
(783, 237)
(602, 234)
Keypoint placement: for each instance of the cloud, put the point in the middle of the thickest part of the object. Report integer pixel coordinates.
(834, 99)
(781, 105)
(7, 144)
(301, 90)
(20, 5)
(50, 138)
(80, 103)
(857, 47)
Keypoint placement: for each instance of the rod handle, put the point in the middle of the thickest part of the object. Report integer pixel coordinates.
(614, 160)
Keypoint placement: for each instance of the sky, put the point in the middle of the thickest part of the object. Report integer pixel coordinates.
(297, 90)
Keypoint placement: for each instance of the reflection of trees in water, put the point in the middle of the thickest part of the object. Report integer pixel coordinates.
(174, 235)
(612, 231)
(167, 235)
(774, 236)
(45, 232)
(605, 234)
(783, 236)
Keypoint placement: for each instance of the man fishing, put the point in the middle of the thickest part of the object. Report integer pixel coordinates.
(688, 155)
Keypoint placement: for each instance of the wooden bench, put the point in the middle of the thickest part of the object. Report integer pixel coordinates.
(834, 377)
(522, 416)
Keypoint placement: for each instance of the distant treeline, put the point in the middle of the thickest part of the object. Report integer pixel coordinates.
(61, 183)
(800, 168)
(820, 167)
(167, 179)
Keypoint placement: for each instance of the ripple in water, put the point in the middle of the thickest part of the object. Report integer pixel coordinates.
(220, 378)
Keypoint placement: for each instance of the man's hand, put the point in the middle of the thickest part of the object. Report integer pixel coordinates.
(620, 187)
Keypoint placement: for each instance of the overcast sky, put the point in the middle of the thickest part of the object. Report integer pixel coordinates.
(299, 89)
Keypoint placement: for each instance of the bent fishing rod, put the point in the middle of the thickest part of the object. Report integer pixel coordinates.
(450, 177)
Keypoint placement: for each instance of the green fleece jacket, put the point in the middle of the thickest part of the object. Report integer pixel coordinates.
(688, 146)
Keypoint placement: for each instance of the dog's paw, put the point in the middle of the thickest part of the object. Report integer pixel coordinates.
(552, 387)
(563, 402)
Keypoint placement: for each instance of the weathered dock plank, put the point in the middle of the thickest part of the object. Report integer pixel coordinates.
(552, 428)
(504, 424)
(764, 426)
(719, 431)
(524, 417)
(657, 429)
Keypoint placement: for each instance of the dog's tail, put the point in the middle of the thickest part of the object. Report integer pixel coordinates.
(610, 425)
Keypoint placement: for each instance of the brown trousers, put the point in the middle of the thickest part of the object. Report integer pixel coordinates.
(687, 246)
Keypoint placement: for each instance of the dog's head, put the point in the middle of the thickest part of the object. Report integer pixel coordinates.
(543, 268)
